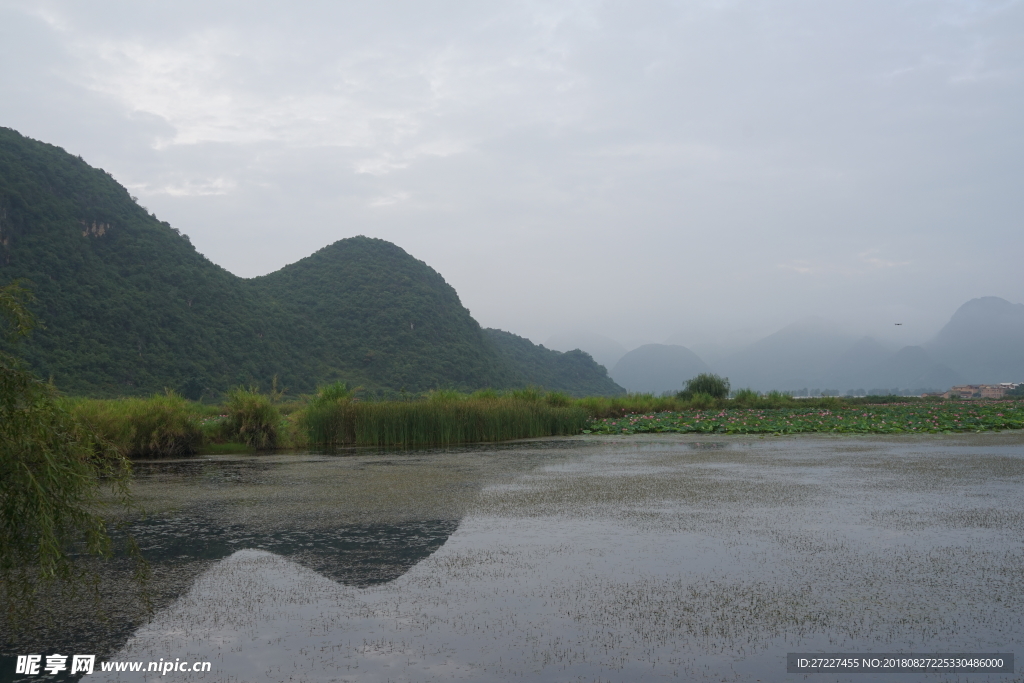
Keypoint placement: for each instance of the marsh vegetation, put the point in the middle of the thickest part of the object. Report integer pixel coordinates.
(339, 415)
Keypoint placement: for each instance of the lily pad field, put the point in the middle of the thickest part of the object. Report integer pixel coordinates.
(898, 418)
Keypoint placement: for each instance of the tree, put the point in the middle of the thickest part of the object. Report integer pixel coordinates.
(706, 383)
(52, 471)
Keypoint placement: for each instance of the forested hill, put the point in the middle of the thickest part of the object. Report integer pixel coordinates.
(129, 306)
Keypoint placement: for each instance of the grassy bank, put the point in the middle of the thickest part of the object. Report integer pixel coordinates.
(162, 426)
(167, 425)
(170, 426)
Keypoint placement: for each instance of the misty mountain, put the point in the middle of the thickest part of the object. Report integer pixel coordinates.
(657, 368)
(909, 368)
(983, 341)
(798, 355)
(605, 351)
(129, 306)
(574, 372)
(853, 367)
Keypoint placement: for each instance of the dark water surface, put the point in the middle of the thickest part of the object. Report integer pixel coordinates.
(589, 559)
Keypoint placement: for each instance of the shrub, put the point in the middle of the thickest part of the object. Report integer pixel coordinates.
(746, 398)
(163, 425)
(557, 398)
(702, 401)
(706, 383)
(252, 418)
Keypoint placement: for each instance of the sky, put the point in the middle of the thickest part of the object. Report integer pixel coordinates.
(701, 172)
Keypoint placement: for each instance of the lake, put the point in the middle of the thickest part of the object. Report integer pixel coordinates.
(649, 558)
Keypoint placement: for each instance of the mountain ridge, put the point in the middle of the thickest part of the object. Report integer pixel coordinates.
(130, 307)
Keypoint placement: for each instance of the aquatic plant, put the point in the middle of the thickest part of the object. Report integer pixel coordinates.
(163, 425)
(912, 418)
(462, 421)
(440, 417)
(328, 419)
(251, 418)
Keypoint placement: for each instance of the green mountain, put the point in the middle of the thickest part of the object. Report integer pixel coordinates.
(129, 306)
(571, 371)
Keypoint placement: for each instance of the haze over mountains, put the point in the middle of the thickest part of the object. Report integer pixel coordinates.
(983, 343)
(129, 306)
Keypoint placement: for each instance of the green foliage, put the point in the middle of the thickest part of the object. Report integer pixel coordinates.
(131, 307)
(702, 401)
(52, 471)
(337, 391)
(441, 417)
(557, 398)
(252, 418)
(14, 309)
(164, 425)
(424, 423)
(530, 394)
(746, 398)
(905, 418)
(708, 384)
(329, 418)
(572, 372)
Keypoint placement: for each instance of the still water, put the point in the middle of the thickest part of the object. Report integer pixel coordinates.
(584, 559)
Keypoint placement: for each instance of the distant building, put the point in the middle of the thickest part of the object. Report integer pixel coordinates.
(981, 390)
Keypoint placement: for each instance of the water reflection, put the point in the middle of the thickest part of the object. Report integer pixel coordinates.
(623, 559)
(358, 555)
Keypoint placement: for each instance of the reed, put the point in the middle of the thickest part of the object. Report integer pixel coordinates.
(252, 419)
(163, 425)
(441, 418)
(329, 419)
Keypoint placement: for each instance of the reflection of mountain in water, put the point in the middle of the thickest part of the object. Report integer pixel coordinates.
(359, 555)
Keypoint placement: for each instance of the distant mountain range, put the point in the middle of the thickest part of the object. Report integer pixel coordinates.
(983, 343)
(130, 307)
(657, 368)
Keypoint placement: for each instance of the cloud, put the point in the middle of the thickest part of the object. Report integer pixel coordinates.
(706, 149)
(188, 188)
(874, 262)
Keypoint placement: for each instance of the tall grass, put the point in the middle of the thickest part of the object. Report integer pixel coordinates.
(329, 419)
(162, 425)
(168, 425)
(442, 418)
(252, 419)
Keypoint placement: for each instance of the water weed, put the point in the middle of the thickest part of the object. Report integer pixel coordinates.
(910, 418)
(251, 419)
(162, 425)
(442, 417)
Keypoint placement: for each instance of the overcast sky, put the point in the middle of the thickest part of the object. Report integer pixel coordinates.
(643, 170)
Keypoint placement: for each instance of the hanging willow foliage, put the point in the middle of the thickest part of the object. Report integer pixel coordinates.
(53, 472)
